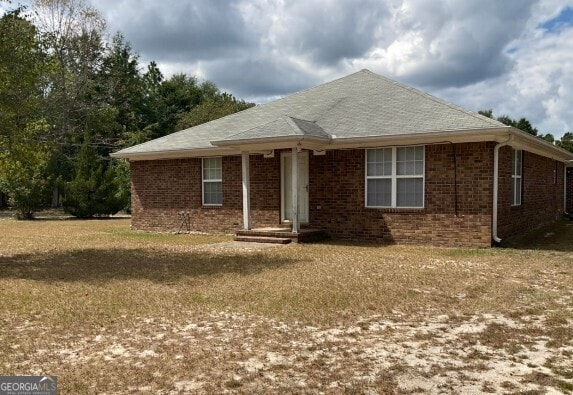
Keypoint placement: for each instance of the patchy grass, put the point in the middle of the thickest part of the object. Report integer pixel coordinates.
(110, 310)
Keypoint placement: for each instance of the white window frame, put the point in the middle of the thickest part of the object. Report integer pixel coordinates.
(394, 178)
(205, 181)
(516, 193)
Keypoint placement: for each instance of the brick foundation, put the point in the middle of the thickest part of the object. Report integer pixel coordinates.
(162, 188)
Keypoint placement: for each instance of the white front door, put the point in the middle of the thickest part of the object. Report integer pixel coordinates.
(286, 186)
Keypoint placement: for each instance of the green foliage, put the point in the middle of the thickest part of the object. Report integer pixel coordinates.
(486, 113)
(24, 168)
(522, 123)
(566, 141)
(212, 108)
(21, 68)
(94, 191)
(61, 82)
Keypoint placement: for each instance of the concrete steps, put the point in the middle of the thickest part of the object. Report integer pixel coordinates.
(280, 236)
(263, 239)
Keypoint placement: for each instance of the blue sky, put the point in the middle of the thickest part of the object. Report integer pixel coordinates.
(562, 21)
(513, 56)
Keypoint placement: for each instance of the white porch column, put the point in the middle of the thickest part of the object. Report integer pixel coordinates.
(246, 191)
(295, 221)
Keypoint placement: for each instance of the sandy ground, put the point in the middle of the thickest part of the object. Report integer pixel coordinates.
(228, 352)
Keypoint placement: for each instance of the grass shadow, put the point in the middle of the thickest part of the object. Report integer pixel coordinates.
(557, 236)
(160, 266)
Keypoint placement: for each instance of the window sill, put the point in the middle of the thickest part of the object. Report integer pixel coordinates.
(398, 210)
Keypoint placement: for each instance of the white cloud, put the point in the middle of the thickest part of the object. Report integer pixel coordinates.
(479, 54)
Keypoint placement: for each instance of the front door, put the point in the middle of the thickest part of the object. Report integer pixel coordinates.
(286, 186)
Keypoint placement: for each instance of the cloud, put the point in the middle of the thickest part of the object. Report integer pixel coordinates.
(259, 79)
(178, 31)
(444, 44)
(513, 56)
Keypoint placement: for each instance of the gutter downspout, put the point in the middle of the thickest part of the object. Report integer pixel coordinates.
(495, 237)
(565, 189)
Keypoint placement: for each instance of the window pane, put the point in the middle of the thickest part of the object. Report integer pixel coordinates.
(379, 193)
(410, 192)
(516, 162)
(410, 161)
(213, 193)
(212, 168)
(516, 191)
(379, 162)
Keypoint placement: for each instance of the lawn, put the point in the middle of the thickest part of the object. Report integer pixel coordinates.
(110, 310)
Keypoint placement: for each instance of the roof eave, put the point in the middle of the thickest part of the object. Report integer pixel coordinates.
(278, 142)
(536, 145)
(175, 154)
(429, 137)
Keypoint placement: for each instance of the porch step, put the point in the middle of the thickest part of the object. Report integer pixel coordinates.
(263, 239)
(285, 235)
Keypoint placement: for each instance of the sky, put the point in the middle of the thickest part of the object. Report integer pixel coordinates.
(512, 56)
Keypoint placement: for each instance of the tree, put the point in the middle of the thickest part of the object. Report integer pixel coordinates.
(25, 151)
(525, 125)
(95, 190)
(212, 108)
(21, 68)
(486, 113)
(179, 94)
(566, 141)
(71, 32)
(24, 168)
(522, 123)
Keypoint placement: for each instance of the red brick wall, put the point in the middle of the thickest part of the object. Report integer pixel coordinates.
(337, 187)
(162, 188)
(570, 190)
(542, 194)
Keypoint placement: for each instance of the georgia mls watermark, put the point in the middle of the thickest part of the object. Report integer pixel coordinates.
(28, 385)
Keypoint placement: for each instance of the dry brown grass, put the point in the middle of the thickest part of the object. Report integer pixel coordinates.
(107, 309)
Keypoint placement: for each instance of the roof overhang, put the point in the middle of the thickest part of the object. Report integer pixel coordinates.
(175, 154)
(521, 140)
(530, 143)
(280, 142)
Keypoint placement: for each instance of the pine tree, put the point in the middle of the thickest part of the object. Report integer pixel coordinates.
(94, 191)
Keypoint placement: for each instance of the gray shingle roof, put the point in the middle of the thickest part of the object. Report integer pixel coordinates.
(283, 127)
(362, 104)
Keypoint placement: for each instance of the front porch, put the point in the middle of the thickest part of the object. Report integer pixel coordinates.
(280, 235)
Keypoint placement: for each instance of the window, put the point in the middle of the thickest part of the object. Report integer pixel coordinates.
(516, 170)
(395, 177)
(212, 181)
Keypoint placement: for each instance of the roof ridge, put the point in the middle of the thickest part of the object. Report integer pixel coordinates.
(290, 95)
(290, 122)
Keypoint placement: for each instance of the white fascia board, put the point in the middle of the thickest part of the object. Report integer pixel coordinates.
(270, 143)
(176, 154)
(537, 145)
(464, 136)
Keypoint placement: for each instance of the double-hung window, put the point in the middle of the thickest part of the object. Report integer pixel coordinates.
(516, 173)
(212, 181)
(395, 177)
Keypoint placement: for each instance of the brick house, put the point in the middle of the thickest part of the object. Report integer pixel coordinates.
(362, 158)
